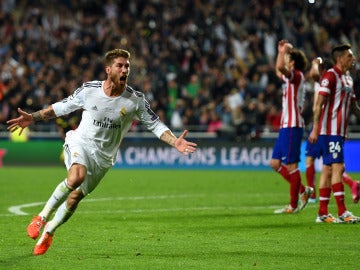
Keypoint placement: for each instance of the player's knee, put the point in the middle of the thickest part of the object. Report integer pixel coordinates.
(275, 164)
(76, 176)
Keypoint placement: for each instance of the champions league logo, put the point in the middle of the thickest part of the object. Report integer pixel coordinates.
(325, 82)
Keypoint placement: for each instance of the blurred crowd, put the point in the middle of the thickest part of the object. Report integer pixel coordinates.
(203, 64)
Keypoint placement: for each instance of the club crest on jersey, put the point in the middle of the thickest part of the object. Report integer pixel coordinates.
(123, 112)
(335, 155)
(325, 82)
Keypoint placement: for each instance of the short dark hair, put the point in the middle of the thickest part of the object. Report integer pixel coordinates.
(339, 50)
(113, 54)
(300, 59)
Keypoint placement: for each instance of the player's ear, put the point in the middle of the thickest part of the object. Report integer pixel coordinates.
(107, 69)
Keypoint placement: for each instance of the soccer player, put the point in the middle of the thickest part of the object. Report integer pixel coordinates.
(330, 122)
(313, 151)
(109, 107)
(290, 65)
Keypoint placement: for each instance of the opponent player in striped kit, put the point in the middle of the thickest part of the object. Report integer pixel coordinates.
(290, 65)
(313, 150)
(109, 107)
(330, 123)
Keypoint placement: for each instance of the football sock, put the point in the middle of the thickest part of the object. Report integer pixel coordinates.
(324, 198)
(348, 180)
(284, 173)
(339, 195)
(58, 197)
(295, 181)
(61, 216)
(310, 178)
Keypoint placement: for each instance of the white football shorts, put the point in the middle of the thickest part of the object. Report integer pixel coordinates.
(75, 151)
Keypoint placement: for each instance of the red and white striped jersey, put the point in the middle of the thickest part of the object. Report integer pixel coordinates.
(293, 100)
(338, 88)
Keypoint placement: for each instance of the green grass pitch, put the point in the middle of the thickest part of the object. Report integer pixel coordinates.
(173, 219)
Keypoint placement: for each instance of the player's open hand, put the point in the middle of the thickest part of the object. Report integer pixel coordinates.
(25, 119)
(184, 146)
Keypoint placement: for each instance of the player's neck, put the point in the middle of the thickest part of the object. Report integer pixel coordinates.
(342, 68)
(113, 90)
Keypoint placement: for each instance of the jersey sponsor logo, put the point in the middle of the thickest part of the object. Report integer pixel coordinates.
(106, 123)
(325, 82)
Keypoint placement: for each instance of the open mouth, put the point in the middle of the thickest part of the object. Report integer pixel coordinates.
(123, 78)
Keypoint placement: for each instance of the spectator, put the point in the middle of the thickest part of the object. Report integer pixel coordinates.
(219, 42)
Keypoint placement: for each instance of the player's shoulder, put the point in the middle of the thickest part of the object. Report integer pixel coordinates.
(130, 91)
(329, 77)
(93, 84)
(331, 73)
(89, 87)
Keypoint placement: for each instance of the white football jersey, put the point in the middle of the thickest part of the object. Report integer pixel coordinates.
(106, 120)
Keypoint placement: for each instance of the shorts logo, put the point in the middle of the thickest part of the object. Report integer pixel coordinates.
(335, 155)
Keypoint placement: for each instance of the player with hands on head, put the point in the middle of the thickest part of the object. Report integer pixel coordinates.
(330, 122)
(290, 65)
(109, 107)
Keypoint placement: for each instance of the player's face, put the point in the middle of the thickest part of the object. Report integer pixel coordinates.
(119, 71)
(348, 59)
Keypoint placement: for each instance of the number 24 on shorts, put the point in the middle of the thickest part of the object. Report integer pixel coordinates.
(334, 147)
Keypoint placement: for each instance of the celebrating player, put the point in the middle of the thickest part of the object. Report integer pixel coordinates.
(290, 65)
(109, 107)
(330, 122)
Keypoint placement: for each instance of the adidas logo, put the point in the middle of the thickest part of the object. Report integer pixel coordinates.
(94, 108)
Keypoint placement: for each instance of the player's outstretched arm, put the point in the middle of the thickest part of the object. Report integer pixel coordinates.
(183, 146)
(26, 119)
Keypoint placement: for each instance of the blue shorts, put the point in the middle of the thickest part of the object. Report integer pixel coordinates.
(332, 148)
(313, 149)
(288, 145)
